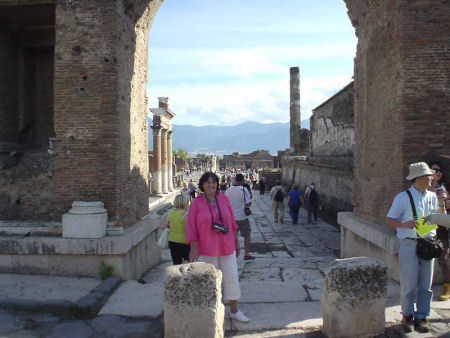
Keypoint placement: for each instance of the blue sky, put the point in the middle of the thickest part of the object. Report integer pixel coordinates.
(223, 62)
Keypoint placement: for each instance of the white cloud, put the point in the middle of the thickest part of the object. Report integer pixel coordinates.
(229, 104)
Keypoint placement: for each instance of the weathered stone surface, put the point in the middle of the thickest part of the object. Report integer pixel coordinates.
(268, 316)
(72, 330)
(133, 299)
(43, 288)
(354, 298)
(268, 292)
(192, 301)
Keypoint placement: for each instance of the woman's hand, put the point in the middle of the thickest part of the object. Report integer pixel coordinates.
(193, 252)
(165, 223)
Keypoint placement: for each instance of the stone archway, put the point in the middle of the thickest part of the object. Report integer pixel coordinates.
(100, 72)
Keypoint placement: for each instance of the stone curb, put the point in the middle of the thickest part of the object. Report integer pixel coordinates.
(93, 302)
(52, 306)
(87, 306)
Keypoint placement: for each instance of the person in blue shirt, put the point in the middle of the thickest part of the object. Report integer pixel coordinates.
(294, 203)
(416, 274)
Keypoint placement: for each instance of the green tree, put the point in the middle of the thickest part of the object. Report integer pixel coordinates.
(181, 153)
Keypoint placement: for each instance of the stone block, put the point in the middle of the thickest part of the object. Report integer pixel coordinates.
(85, 220)
(192, 301)
(354, 298)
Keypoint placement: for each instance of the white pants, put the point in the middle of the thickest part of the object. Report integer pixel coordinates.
(230, 277)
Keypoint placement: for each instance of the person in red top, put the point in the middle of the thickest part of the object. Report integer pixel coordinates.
(211, 231)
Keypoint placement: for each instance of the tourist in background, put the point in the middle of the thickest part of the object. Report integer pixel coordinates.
(211, 232)
(438, 187)
(294, 203)
(174, 220)
(277, 195)
(186, 193)
(223, 185)
(261, 186)
(416, 274)
(311, 202)
(240, 199)
(192, 188)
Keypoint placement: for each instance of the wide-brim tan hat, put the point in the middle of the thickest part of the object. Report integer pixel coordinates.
(418, 169)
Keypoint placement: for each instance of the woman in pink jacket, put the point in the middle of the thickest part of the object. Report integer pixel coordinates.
(211, 233)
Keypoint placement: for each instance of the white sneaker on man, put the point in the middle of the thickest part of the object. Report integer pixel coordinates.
(239, 316)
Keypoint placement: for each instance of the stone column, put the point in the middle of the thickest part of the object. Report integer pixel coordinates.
(192, 301)
(354, 298)
(170, 160)
(294, 108)
(164, 161)
(157, 175)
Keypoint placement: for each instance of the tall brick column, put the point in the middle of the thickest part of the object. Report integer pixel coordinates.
(170, 160)
(294, 109)
(157, 174)
(164, 161)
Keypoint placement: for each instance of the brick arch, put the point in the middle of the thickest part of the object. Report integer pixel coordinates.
(402, 95)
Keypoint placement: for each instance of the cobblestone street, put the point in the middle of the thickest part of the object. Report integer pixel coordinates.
(281, 291)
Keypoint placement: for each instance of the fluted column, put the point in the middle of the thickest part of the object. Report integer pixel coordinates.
(157, 175)
(170, 160)
(164, 161)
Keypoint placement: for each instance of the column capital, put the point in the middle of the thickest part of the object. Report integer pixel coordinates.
(164, 131)
(156, 130)
(169, 133)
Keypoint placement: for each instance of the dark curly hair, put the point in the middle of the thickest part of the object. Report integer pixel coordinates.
(205, 177)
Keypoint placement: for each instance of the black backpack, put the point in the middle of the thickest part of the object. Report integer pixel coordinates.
(313, 196)
(278, 196)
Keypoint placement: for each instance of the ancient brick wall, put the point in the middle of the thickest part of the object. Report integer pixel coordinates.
(333, 182)
(401, 94)
(8, 87)
(332, 130)
(100, 105)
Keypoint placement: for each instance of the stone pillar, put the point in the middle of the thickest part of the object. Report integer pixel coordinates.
(192, 301)
(294, 108)
(170, 160)
(85, 220)
(164, 160)
(157, 175)
(354, 298)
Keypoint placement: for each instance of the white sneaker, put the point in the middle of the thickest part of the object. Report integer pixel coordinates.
(239, 316)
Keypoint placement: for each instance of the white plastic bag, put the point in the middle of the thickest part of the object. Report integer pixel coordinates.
(163, 239)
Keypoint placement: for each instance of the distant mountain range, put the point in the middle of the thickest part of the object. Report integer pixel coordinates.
(243, 138)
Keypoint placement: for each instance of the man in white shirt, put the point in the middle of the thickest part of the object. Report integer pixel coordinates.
(416, 274)
(240, 199)
(277, 195)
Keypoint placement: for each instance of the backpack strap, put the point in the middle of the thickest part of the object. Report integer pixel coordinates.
(413, 207)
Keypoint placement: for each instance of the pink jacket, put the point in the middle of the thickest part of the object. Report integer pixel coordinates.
(199, 227)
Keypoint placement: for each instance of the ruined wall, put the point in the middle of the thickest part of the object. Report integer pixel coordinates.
(401, 94)
(333, 182)
(134, 21)
(100, 105)
(332, 129)
(8, 86)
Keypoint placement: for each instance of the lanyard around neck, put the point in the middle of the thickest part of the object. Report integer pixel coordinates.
(210, 208)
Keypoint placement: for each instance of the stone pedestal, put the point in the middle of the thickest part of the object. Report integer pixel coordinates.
(192, 301)
(354, 298)
(85, 220)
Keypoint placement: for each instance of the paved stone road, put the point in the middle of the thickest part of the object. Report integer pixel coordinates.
(280, 291)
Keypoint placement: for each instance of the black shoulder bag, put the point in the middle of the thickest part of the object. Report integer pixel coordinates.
(247, 210)
(429, 247)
